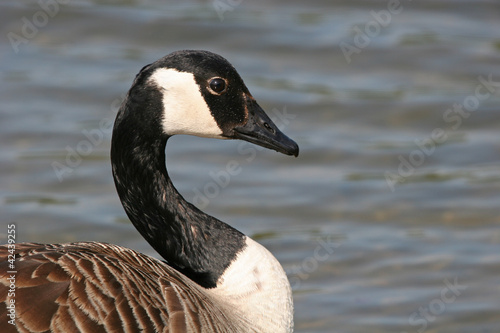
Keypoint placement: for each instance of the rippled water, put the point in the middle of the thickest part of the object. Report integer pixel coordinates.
(389, 220)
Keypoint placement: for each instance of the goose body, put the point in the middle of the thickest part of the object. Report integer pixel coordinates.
(213, 278)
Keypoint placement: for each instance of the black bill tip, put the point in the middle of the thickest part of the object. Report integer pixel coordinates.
(278, 142)
(261, 130)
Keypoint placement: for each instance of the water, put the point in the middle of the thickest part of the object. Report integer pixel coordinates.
(388, 221)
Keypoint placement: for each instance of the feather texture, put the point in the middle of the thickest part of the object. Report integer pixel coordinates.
(98, 287)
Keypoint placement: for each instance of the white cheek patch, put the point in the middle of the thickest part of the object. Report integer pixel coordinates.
(184, 108)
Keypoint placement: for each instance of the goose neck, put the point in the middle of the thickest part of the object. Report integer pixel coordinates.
(197, 244)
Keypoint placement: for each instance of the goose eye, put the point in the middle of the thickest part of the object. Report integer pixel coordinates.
(218, 85)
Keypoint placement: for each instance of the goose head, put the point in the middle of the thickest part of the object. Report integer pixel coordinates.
(200, 93)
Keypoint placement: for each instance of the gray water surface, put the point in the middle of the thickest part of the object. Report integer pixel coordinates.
(389, 219)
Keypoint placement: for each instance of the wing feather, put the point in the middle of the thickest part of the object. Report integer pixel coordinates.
(96, 287)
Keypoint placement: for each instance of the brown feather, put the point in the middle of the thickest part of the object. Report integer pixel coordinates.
(96, 287)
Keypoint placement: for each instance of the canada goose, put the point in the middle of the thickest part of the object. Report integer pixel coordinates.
(213, 279)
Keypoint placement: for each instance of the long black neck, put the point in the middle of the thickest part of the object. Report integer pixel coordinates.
(197, 244)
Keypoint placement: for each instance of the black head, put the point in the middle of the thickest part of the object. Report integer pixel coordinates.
(203, 95)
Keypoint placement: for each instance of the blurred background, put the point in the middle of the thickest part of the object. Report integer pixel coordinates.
(389, 219)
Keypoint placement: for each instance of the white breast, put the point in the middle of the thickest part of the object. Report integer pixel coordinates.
(255, 286)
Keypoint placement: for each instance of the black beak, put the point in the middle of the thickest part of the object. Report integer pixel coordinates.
(260, 130)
